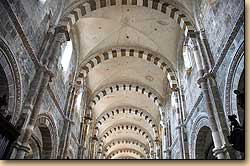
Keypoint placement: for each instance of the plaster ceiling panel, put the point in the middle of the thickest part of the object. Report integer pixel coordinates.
(128, 26)
(127, 69)
(126, 98)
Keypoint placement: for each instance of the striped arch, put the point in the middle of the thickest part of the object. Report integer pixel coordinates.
(147, 55)
(91, 5)
(127, 110)
(143, 132)
(133, 151)
(125, 87)
(140, 145)
(46, 123)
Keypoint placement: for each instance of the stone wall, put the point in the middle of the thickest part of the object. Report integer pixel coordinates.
(218, 18)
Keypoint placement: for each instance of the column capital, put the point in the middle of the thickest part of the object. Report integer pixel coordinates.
(62, 30)
(45, 69)
(205, 77)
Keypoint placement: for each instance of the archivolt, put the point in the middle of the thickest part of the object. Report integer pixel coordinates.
(125, 87)
(47, 121)
(149, 56)
(127, 110)
(91, 5)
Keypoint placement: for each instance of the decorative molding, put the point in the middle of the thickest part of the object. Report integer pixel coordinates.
(47, 120)
(14, 78)
(20, 31)
(231, 74)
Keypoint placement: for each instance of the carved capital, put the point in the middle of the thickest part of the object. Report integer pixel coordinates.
(61, 34)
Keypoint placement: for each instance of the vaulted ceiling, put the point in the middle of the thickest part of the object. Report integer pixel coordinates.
(128, 52)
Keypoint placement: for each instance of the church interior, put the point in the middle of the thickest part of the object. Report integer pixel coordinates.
(122, 79)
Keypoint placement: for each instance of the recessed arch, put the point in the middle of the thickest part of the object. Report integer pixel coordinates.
(46, 124)
(13, 77)
(171, 11)
(118, 52)
(115, 87)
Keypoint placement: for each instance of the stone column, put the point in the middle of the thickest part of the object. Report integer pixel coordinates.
(44, 78)
(85, 118)
(65, 132)
(209, 76)
(169, 139)
(93, 147)
(81, 147)
(157, 148)
(218, 150)
(179, 127)
(71, 117)
(164, 139)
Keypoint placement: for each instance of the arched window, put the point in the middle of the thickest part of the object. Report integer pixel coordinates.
(67, 49)
(78, 100)
(187, 53)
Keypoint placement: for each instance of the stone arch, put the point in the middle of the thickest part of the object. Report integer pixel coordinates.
(133, 151)
(115, 87)
(12, 76)
(232, 82)
(200, 121)
(127, 109)
(145, 54)
(46, 124)
(112, 143)
(143, 132)
(204, 144)
(171, 11)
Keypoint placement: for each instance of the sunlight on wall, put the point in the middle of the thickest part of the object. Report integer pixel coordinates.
(67, 49)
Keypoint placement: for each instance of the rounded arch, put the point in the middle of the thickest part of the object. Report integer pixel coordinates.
(232, 82)
(116, 52)
(200, 121)
(11, 71)
(118, 127)
(105, 116)
(46, 124)
(171, 11)
(139, 144)
(118, 151)
(115, 87)
(204, 144)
